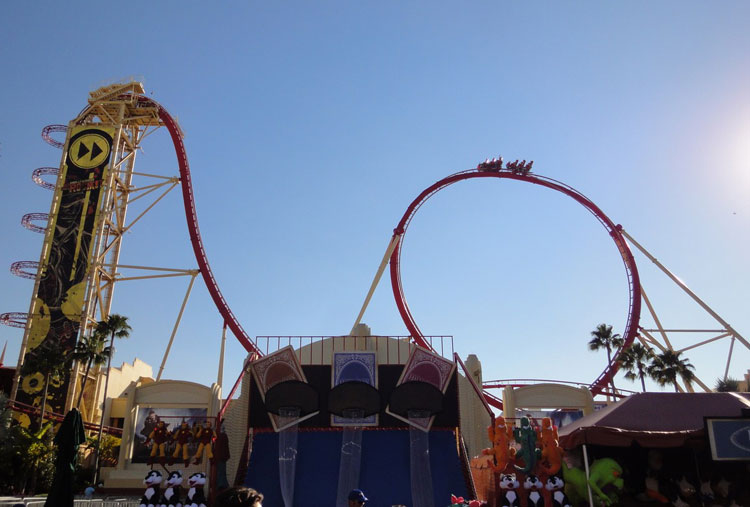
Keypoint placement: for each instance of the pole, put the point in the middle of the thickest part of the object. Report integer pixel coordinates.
(220, 376)
(104, 405)
(588, 474)
(729, 359)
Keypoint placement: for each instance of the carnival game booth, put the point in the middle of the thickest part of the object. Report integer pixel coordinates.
(374, 413)
(146, 405)
(674, 448)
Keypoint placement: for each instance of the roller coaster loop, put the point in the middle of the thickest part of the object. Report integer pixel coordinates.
(521, 172)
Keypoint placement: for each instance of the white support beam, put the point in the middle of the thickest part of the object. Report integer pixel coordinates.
(149, 277)
(687, 290)
(729, 359)
(176, 326)
(656, 318)
(152, 268)
(687, 330)
(383, 263)
(653, 341)
(704, 342)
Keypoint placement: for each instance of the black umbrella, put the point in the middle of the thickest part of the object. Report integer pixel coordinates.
(68, 438)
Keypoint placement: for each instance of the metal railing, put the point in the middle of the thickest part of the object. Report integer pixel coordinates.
(318, 350)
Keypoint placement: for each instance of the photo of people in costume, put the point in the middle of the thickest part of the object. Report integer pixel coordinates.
(169, 435)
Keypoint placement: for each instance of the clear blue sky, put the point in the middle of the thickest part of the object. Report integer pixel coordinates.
(310, 126)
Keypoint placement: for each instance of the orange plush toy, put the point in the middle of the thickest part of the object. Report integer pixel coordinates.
(500, 436)
(552, 453)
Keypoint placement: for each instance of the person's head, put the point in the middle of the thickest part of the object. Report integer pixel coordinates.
(356, 498)
(239, 497)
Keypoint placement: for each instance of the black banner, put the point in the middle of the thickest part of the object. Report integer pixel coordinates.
(56, 318)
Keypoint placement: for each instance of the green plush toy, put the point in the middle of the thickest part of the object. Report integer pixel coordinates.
(603, 472)
(528, 453)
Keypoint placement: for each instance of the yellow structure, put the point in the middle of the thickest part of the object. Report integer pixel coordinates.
(539, 396)
(148, 394)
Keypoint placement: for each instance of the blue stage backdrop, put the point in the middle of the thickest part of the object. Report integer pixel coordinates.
(384, 474)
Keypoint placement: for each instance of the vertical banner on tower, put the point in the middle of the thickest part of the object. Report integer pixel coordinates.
(59, 300)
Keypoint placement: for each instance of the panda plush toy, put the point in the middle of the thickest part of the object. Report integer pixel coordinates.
(171, 496)
(151, 496)
(195, 496)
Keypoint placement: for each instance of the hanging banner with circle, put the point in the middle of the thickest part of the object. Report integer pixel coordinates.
(56, 314)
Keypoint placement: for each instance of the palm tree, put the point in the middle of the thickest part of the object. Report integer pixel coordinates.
(668, 365)
(636, 360)
(727, 385)
(90, 349)
(50, 360)
(116, 326)
(604, 339)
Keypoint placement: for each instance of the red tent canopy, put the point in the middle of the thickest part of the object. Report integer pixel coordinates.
(653, 419)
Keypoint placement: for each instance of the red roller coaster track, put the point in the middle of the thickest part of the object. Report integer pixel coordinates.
(492, 169)
(520, 172)
(48, 130)
(19, 268)
(195, 235)
(14, 319)
(42, 171)
(19, 319)
(28, 219)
